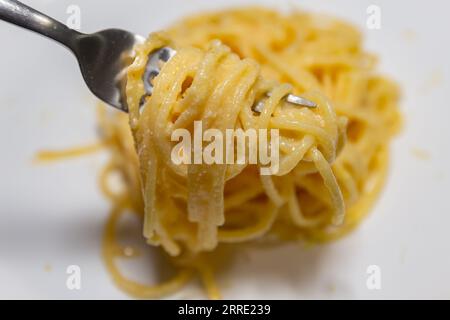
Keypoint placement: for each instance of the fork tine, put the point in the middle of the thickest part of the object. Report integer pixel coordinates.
(290, 98)
(301, 101)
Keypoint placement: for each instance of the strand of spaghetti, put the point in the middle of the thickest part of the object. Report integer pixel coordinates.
(58, 155)
(251, 232)
(296, 213)
(331, 184)
(129, 286)
(207, 277)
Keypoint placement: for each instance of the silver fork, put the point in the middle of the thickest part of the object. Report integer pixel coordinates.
(103, 56)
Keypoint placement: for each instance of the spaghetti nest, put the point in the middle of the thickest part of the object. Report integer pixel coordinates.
(333, 159)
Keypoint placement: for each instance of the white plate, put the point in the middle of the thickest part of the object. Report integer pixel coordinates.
(53, 216)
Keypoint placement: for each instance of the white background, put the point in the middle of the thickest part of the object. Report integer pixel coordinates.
(53, 216)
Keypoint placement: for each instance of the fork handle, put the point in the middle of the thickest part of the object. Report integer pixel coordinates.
(17, 13)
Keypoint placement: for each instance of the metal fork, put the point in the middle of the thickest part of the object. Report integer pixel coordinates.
(103, 56)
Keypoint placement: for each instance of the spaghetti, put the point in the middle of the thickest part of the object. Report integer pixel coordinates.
(333, 159)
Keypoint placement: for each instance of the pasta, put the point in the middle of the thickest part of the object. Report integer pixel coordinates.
(333, 159)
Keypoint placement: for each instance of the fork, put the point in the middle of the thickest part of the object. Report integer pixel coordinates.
(104, 56)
